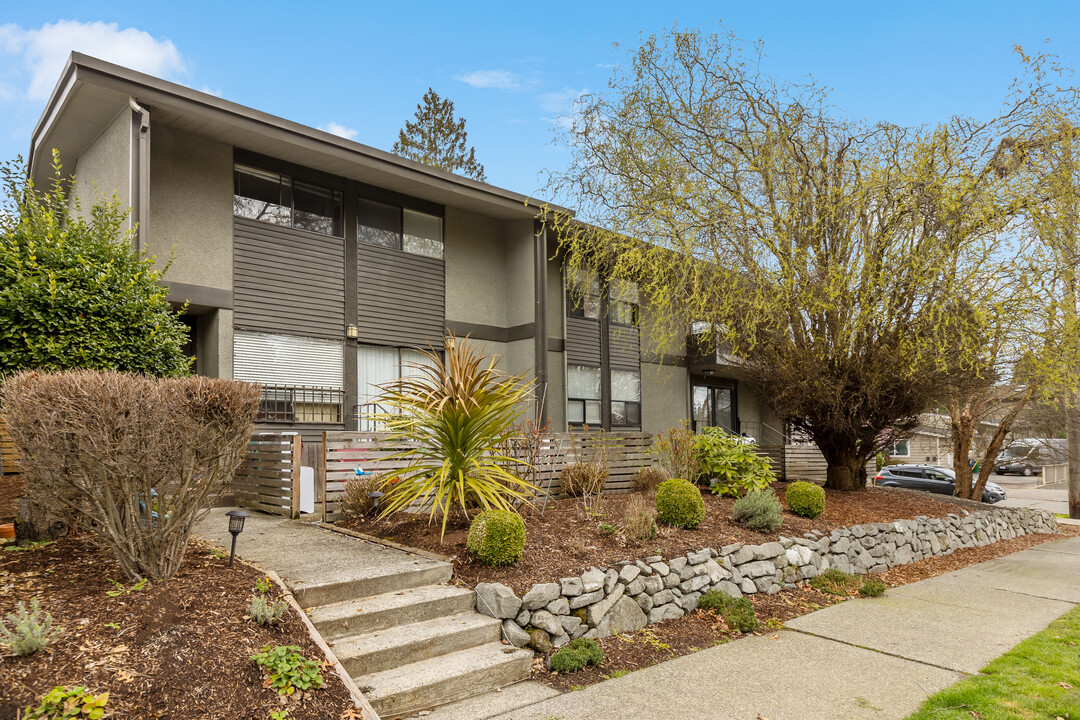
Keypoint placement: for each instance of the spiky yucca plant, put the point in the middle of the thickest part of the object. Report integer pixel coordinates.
(457, 413)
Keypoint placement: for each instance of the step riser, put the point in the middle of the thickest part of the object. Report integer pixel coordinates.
(392, 617)
(421, 649)
(330, 593)
(452, 689)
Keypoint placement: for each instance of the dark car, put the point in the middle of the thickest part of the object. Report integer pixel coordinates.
(1017, 466)
(931, 478)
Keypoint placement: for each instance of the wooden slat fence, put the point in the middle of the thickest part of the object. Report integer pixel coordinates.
(269, 477)
(12, 485)
(623, 453)
(800, 462)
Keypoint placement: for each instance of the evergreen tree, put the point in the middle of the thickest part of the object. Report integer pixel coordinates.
(438, 139)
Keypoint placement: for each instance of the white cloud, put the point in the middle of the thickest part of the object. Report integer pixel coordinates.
(340, 130)
(42, 52)
(498, 79)
(561, 100)
(211, 91)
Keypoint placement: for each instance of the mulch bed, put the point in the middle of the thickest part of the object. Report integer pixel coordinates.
(564, 538)
(700, 629)
(175, 649)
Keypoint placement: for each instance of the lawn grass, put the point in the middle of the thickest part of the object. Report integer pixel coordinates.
(1038, 678)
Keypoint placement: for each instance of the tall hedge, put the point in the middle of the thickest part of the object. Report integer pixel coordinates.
(74, 293)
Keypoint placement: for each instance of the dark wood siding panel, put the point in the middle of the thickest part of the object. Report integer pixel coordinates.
(401, 297)
(288, 281)
(624, 347)
(582, 341)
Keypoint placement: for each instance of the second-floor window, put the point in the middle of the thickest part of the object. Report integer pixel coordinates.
(583, 294)
(623, 302)
(399, 228)
(282, 200)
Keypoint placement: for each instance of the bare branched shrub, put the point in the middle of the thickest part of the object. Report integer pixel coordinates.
(583, 479)
(639, 524)
(647, 479)
(140, 458)
(357, 501)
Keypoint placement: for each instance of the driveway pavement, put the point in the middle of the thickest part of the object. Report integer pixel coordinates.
(1052, 498)
(868, 659)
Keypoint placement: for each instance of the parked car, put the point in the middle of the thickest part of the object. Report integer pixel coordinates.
(931, 478)
(1016, 466)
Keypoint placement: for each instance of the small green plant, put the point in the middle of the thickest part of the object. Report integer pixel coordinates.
(497, 537)
(62, 703)
(714, 600)
(835, 582)
(32, 545)
(29, 631)
(738, 613)
(731, 463)
(266, 612)
(759, 510)
(617, 674)
(648, 637)
(639, 523)
(607, 529)
(287, 670)
(773, 624)
(279, 715)
(872, 588)
(647, 479)
(119, 589)
(805, 498)
(679, 503)
(113, 626)
(263, 585)
(576, 655)
(217, 554)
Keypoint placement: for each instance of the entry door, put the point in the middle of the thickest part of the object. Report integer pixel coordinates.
(714, 406)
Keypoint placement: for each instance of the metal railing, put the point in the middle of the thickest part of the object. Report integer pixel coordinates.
(301, 404)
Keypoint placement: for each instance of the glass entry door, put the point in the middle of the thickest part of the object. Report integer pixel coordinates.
(714, 406)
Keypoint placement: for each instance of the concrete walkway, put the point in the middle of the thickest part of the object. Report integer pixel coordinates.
(868, 659)
(1052, 498)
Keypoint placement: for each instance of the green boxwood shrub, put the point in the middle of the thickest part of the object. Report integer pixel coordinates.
(576, 655)
(805, 498)
(679, 503)
(759, 510)
(497, 537)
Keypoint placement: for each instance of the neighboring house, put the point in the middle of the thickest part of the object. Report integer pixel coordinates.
(314, 264)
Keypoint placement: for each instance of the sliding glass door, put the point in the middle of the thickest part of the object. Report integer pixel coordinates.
(714, 406)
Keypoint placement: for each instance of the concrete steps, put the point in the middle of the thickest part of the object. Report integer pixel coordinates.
(375, 581)
(388, 610)
(445, 678)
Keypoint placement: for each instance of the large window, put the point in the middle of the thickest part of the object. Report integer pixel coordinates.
(583, 395)
(583, 294)
(623, 302)
(398, 228)
(714, 406)
(281, 200)
(625, 397)
(301, 377)
(900, 449)
(377, 367)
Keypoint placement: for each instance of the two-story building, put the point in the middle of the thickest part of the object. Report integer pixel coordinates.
(315, 265)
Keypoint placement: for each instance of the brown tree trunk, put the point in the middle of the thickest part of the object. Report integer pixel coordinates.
(963, 429)
(35, 523)
(1072, 426)
(996, 443)
(846, 468)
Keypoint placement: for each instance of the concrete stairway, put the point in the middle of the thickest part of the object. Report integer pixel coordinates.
(410, 642)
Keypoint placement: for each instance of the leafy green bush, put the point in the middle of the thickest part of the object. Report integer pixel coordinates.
(576, 655)
(63, 703)
(835, 582)
(288, 670)
(265, 611)
(805, 498)
(738, 613)
(872, 588)
(458, 414)
(583, 479)
(263, 585)
(730, 463)
(647, 479)
(679, 503)
(759, 510)
(29, 631)
(74, 293)
(497, 537)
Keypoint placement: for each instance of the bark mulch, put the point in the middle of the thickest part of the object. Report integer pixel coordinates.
(700, 629)
(175, 649)
(565, 537)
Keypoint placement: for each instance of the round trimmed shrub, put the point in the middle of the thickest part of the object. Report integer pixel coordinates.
(805, 498)
(759, 510)
(679, 503)
(497, 537)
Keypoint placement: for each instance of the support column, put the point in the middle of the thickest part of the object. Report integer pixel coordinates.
(540, 333)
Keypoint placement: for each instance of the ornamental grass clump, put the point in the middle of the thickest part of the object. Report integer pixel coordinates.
(759, 510)
(639, 524)
(679, 503)
(458, 415)
(30, 630)
(497, 537)
(583, 479)
(805, 498)
(578, 654)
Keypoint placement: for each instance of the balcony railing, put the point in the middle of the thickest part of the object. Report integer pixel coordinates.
(301, 404)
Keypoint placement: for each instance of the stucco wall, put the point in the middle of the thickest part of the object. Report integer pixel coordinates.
(475, 256)
(664, 402)
(519, 273)
(102, 170)
(191, 190)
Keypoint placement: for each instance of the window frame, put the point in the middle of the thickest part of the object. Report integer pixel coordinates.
(614, 300)
(577, 301)
(627, 404)
(289, 180)
(584, 402)
(402, 209)
(891, 450)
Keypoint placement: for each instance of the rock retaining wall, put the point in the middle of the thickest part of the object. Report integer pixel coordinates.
(605, 601)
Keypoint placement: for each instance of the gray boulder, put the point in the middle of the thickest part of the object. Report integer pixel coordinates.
(540, 595)
(497, 600)
(547, 622)
(598, 610)
(540, 641)
(625, 616)
(513, 632)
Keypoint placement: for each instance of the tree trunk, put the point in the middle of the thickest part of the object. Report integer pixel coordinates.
(1072, 425)
(997, 441)
(963, 429)
(846, 468)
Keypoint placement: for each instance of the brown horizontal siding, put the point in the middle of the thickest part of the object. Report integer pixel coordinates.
(401, 298)
(624, 347)
(582, 341)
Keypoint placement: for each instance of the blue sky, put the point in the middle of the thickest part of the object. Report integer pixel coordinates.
(512, 68)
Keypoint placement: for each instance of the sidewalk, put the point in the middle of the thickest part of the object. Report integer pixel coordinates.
(861, 659)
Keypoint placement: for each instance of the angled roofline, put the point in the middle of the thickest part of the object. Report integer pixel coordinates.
(82, 67)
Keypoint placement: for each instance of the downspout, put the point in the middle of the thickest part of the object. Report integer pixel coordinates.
(540, 333)
(139, 173)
